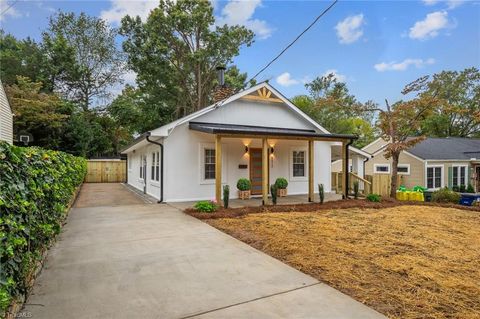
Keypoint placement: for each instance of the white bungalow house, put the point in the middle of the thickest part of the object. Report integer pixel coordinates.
(256, 134)
(6, 118)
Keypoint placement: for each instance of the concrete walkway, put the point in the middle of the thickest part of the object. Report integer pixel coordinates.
(152, 261)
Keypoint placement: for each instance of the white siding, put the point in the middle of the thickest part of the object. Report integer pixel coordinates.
(6, 118)
(242, 112)
(133, 170)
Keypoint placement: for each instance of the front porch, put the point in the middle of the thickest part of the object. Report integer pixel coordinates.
(257, 201)
(265, 141)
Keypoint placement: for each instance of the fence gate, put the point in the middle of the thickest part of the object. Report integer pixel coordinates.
(106, 171)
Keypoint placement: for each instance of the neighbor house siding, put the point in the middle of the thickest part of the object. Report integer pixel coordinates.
(6, 118)
(417, 168)
(374, 146)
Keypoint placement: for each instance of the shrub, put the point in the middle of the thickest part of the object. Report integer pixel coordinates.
(321, 193)
(36, 186)
(374, 198)
(281, 183)
(206, 206)
(445, 195)
(244, 184)
(273, 190)
(455, 188)
(226, 195)
(470, 189)
(356, 186)
(462, 189)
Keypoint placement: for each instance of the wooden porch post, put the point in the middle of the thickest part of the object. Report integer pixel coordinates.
(218, 169)
(310, 170)
(264, 171)
(344, 170)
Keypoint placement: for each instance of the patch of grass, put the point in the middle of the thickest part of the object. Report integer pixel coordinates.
(404, 261)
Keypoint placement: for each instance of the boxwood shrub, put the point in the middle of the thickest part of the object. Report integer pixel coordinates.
(36, 185)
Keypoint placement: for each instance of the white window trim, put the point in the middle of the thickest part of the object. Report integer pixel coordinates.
(201, 163)
(404, 165)
(377, 165)
(466, 174)
(142, 179)
(442, 179)
(290, 164)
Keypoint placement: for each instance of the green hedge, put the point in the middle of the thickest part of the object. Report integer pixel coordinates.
(36, 186)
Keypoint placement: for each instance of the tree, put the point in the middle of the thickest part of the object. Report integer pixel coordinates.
(175, 52)
(457, 112)
(22, 58)
(331, 105)
(85, 61)
(43, 115)
(400, 124)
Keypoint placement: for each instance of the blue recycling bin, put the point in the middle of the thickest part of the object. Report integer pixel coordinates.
(468, 199)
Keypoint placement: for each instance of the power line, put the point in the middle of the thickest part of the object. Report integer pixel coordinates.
(8, 8)
(295, 40)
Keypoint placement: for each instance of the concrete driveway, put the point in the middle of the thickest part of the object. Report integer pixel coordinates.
(140, 260)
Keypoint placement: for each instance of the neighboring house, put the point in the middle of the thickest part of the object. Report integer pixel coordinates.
(432, 163)
(256, 134)
(6, 117)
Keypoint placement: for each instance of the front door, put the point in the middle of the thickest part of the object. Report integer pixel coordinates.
(256, 170)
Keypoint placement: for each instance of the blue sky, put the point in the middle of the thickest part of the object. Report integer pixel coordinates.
(376, 47)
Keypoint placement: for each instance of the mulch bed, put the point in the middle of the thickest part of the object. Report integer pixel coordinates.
(312, 207)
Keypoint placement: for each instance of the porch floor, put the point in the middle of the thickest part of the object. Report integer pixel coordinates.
(257, 201)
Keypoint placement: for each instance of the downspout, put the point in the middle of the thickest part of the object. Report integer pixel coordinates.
(347, 173)
(161, 165)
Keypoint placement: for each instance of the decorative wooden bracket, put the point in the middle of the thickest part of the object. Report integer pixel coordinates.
(264, 95)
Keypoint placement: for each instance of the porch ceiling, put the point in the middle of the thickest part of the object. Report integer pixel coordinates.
(249, 130)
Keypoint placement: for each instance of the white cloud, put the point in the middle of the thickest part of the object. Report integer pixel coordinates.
(350, 29)
(285, 79)
(120, 8)
(339, 77)
(237, 12)
(430, 26)
(402, 66)
(451, 4)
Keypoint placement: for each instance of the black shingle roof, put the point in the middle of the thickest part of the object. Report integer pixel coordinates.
(450, 148)
(220, 128)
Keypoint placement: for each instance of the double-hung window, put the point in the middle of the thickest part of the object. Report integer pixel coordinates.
(209, 163)
(298, 162)
(434, 176)
(459, 175)
(143, 166)
(155, 168)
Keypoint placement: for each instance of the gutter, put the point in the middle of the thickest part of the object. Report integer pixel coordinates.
(147, 137)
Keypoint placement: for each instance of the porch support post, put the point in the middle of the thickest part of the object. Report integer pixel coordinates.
(344, 170)
(264, 171)
(310, 170)
(218, 169)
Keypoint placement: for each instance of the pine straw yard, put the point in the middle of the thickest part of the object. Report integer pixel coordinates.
(404, 261)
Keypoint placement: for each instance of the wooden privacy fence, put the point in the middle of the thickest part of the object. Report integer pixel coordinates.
(381, 183)
(376, 184)
(106, 171)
